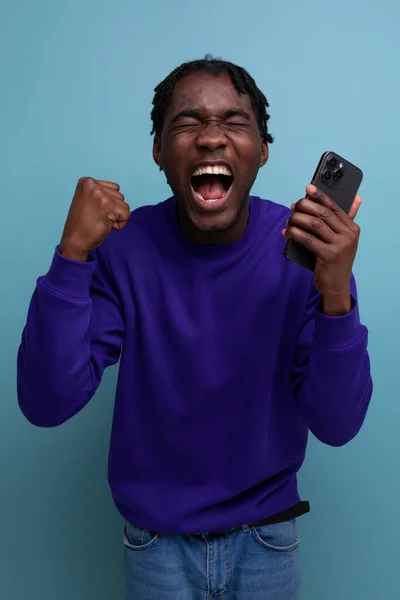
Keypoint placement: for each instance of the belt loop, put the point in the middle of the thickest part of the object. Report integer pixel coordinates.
(245, 528)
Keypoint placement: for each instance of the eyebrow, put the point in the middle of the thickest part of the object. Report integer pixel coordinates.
(195, 114)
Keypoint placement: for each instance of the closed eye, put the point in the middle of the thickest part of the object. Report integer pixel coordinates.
(237, 125)
(186, 118)
(184, 126)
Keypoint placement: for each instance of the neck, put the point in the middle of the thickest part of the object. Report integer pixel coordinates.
(215, 237)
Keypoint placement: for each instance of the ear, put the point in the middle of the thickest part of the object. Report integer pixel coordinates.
(264, 154)
(157, 152)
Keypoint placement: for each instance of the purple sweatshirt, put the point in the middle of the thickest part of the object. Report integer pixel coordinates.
(226, 363)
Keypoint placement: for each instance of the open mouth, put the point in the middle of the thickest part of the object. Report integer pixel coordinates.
(211, 183)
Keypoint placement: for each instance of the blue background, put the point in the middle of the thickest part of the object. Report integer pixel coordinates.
(77, 82)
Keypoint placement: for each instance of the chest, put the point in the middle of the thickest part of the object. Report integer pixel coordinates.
(249, 300)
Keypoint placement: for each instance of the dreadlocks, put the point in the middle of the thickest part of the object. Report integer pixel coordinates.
(243, 82)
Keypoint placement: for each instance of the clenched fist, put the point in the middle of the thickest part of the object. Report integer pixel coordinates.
(97, 207)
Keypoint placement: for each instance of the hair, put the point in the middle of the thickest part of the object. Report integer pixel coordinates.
(243, 82)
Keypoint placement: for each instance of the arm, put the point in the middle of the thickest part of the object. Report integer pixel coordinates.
(331, 379)
(73, 332)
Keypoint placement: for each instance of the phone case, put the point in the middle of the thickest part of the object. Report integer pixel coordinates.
(340, 180)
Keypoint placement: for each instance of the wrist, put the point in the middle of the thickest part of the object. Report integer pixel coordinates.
(72, 252)
(337, 305)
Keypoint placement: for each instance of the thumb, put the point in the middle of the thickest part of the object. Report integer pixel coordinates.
(119, 221)
(118, 225)
(119, 217)
(355, 207)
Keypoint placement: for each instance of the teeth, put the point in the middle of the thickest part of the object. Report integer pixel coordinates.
(208, 170)
(210, 200)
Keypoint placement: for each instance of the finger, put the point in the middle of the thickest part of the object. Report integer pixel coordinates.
(322, 198)
(355, 207)
(320, 211)
(113, 194)
(109, 184)
(116, 195)
(119, 215)
(313, 224)
(307, 239)
(118, 225)
(119, 221)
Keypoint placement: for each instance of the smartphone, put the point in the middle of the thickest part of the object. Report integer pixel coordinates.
(340, 180)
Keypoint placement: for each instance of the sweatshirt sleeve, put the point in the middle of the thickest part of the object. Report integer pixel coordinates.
(332, 378)
(73, 332)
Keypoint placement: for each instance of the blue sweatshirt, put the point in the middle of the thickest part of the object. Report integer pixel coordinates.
(226, 363)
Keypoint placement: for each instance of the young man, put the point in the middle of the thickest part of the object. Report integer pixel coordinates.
(229, 352)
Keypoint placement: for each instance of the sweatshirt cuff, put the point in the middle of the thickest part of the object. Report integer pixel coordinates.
(338, 332)
(70, 277)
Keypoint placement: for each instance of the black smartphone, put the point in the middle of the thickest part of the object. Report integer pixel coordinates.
(340, 180)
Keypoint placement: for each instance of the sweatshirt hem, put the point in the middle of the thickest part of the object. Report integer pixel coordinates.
(278, 501)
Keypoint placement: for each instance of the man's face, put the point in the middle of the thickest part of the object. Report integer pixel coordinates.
(210, 149)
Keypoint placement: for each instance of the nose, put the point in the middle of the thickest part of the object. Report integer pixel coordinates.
(211, 138)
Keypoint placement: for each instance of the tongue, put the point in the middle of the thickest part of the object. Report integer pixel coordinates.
(211, 188)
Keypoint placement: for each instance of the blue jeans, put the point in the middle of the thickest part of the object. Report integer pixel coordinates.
(238, 564)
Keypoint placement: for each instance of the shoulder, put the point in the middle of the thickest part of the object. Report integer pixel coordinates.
(145, 221)
(273, 214)
(147, 218)
(272, 219)
(146, 229)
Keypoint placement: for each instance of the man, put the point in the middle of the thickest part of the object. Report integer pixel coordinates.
(230, 353)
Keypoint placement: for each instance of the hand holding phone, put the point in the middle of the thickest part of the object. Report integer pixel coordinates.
(340, 181)
(321, 233)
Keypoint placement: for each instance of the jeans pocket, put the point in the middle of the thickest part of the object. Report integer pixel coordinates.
(137, 538)
(280, 537)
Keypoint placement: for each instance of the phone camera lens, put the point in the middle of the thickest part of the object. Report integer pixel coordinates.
(332, 162)
(338, 174)
(326, 175)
